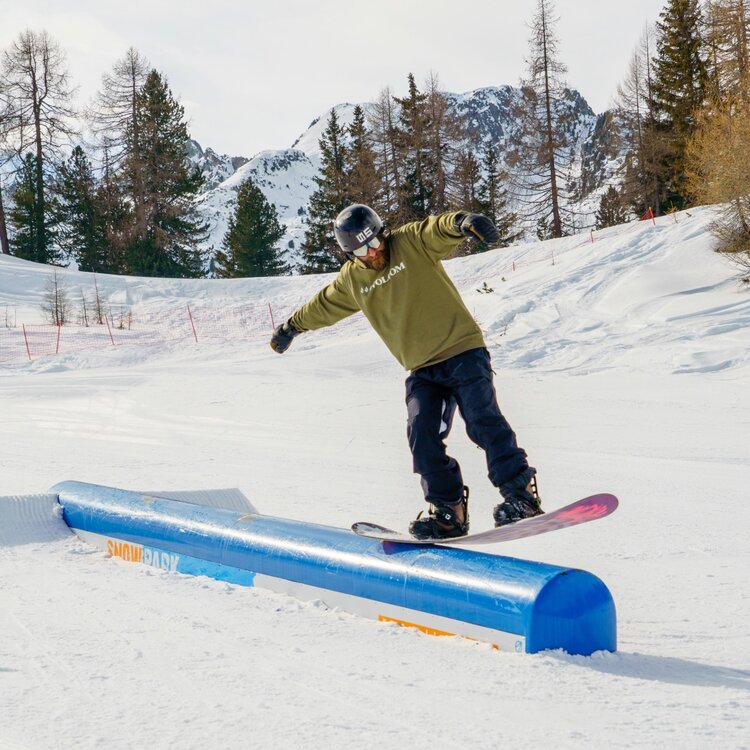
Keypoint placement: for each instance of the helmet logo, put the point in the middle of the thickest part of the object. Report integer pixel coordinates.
(365, 235)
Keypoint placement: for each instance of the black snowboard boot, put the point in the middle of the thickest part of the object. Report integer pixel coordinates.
(443, 521)
(521, 498)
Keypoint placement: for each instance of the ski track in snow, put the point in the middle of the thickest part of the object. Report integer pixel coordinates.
(623, 368)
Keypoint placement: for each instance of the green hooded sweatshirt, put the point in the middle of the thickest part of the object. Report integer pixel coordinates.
(412, 304)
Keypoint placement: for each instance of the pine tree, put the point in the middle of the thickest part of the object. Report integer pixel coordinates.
(82, 232)
(493, 198)
(167, 235)
(22, 213)
(678, 93)
(251, 243)
(418, 169)
(611, 210)
(478, 187)
(320, 250)
(543, 229)
(466, 182)
(361, 176)
(24, 217)
(465, 185)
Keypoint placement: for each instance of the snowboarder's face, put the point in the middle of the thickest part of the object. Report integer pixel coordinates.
(377, 260)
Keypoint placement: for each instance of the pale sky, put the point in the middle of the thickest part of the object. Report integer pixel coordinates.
(253, 75)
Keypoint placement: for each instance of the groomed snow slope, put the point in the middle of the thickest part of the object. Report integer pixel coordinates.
(624, 367)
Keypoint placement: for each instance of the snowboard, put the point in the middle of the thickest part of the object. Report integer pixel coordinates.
(581, 511)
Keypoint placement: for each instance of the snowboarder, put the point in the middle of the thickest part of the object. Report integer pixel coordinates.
(397, 280)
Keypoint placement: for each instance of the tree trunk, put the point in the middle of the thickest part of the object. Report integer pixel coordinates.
(653, 188)
(641, 146)
(39, 230)
(139, 189)
(4, 245)
(41, 233)
(741, 216)
(743, 51)
(556, 222)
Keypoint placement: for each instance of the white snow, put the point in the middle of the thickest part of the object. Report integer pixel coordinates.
(624, 367)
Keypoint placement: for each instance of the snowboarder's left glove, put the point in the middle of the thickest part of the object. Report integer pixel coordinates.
(282, 337)
(476, 226)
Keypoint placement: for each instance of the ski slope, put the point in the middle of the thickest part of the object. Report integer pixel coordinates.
(623, 365)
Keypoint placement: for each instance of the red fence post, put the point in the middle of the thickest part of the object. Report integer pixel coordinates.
(192, 325)
(26, 339)
(648, 215)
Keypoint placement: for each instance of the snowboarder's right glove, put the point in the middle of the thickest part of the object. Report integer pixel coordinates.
(282, 337)
(476, 226)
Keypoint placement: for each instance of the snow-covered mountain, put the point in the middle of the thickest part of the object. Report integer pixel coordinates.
(592, 161)
(595, 155)
(286, 179)
(216, 167)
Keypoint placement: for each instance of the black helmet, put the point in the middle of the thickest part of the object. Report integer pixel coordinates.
(355, 226)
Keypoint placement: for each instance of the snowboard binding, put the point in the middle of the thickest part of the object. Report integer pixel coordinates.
(521, 499)
(444, 521)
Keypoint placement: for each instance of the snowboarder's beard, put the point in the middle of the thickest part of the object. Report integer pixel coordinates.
(379, 260)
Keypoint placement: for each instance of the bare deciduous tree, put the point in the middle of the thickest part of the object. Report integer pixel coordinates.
(113, 111)
(99, 311)
(382, 117)
(728, 39)
(4, 244)
(444, 130)
(114, 117)
(38, 116)
(83, 310)
(543, 121)
(55, 301)
(633, 103)
(718, 159)
(4, 156)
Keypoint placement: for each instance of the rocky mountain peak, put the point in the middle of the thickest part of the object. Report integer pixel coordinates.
(594, 159)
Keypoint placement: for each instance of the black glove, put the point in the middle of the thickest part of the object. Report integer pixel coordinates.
(282, 337)
(477, 227)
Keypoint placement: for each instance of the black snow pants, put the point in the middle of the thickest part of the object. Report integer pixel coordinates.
(432, 395)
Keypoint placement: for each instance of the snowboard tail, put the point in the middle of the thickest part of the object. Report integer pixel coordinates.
(581, 511)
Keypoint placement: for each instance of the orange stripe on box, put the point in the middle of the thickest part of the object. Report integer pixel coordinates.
(428, 630)
(422, 628)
